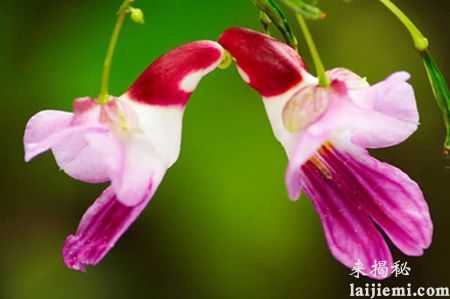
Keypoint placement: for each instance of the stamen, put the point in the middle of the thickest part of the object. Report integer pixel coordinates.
(326, 148)
(321, 165)
(123, 121)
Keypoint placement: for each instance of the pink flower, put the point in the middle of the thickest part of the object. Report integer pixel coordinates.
(130, 142)
(326, 133)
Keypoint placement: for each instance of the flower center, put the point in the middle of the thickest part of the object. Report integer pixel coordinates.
(119, 117)
(319, 161)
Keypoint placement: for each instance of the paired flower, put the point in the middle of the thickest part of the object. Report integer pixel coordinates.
(130, 141)
(326, 132)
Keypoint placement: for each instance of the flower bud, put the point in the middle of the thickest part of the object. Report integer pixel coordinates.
(137, 15)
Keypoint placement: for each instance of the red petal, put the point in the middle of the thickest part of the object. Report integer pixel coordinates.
(271, 66)
(161, 82)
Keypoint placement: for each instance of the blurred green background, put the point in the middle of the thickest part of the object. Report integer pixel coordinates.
(220, 225)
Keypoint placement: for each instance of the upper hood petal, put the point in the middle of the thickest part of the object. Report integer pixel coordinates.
(171, 79)
(268, 65)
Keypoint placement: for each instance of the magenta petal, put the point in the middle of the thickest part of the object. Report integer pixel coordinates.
(396, 203)
(270, 66)
(100, 228)
(352, 192)
(350, 234)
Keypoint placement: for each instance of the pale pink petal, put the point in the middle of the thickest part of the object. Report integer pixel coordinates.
(65, 134)
(58, 139)
(40, 128)
(372, 129)
(294, 183)
(307, 146)
(132, 165)
(87, 111)
(101, 227)
(86, 162)
(352, 81)
(140, 165)
(389, 113)
(365, 126)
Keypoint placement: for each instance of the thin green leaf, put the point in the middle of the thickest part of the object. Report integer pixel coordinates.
(273, 11)
(441, 92)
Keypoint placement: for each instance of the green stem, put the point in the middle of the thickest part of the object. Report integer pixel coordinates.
(104, 85)
(420, 41)
(320, 69)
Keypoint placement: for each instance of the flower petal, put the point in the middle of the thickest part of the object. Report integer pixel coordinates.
(81, 160)
(161, 126)
(396, 203)
(389, 114)
(352, 81)
(269, 66)
(132, 165)
(100, 228)
(350, 234)
(40, 128)
(140, 166)
(352, 191)
(307, 146)
(274, 70)
(172, 78)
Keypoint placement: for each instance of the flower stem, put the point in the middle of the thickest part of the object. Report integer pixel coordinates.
(104, 85)
(320, 69)
(420, 41)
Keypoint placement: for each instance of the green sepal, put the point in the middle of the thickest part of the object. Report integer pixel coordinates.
(273, 11)
(440, 91)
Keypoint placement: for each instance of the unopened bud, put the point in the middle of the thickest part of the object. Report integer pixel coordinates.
(137, 15)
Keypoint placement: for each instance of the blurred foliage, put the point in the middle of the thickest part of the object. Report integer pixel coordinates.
(307, 8)
(220, 225)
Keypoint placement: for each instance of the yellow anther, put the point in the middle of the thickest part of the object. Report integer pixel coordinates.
(321, 166)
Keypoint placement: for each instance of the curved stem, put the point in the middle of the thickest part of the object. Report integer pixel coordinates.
(104, 85)
(320, 69)
(420, 41)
